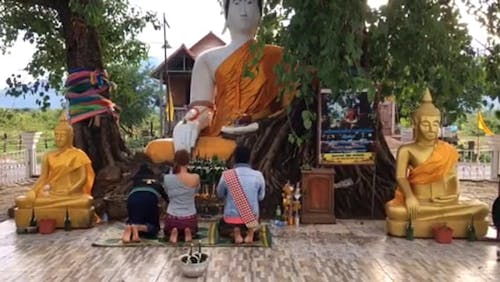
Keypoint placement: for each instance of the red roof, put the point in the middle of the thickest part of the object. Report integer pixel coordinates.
(206, 42)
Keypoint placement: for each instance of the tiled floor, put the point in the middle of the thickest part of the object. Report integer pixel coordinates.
(347, 251)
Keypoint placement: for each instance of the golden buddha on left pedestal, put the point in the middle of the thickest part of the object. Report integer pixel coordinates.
(64, 185)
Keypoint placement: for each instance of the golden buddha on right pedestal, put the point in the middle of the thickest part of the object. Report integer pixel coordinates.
(428, 186)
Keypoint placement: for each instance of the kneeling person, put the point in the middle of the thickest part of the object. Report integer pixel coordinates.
(181, 188)
(242, 188)
(142, 206)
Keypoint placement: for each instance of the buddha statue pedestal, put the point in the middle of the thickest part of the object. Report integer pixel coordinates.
(63, 188)
(423, 229)
(80, 217)
(428, 186)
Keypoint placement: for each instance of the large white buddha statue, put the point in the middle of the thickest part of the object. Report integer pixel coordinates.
(223, 99)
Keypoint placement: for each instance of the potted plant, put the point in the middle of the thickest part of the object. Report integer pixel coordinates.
(46, 225)
(442, 233)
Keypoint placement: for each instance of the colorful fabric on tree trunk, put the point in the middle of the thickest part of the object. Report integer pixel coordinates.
(85, 94)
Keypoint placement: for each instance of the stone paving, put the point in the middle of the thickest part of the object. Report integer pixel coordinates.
(351, 250)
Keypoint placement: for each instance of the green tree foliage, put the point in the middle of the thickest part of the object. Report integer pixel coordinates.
(397, 49)
(487, 12)
(136, 93)
(14, 122)
(38, 22)
(421, 43)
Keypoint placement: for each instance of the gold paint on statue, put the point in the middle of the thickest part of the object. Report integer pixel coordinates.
(65, 183)
(428, 186)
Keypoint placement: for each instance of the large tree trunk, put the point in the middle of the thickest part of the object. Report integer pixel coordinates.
(99, 136)
(280, 161)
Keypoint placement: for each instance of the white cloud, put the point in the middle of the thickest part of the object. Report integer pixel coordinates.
(15, 60)
(478, 33)
(189, 20)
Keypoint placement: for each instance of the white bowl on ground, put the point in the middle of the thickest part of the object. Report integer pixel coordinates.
(193, 270)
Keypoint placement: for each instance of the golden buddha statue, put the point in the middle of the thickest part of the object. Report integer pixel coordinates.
(64, 185)
(428, 186)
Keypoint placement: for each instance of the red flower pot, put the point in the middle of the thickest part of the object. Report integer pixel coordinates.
(443, 234)
(46, 226)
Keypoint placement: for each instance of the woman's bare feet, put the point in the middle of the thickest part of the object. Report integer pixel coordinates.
(173, 236)
(249, 237)
(135, 234)
(237, 236)
(188, 237)
(126, 234)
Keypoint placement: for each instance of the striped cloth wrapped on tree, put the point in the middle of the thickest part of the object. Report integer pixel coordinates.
(85, 93)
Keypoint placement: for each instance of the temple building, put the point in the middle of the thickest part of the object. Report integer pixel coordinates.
(177, 73)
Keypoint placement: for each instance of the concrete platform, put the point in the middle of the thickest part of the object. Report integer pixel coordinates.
(350, 250)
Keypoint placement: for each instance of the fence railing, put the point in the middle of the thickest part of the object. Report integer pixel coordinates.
(12, 167)
(475, 164)
(15, 143)
(20, 157)
(18, 164)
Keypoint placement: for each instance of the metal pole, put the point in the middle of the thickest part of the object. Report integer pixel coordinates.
(167, 80)
(161, 105)
(478, 149)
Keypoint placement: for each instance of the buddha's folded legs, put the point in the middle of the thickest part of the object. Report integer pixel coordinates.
(462, 210)
(78, 201)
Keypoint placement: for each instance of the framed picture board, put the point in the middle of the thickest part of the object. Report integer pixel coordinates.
(346, 128)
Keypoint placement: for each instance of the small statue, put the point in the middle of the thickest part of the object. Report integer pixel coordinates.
(65, 183)
(288, 206)
(428, 186)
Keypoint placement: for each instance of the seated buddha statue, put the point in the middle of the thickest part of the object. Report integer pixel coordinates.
(65, 184)
(223, 98)
(428, 187)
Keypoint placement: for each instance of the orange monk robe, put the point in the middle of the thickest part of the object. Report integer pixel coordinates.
(436, 167)
(63, 163)
(237, 94)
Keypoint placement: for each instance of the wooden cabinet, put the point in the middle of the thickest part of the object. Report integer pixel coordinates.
(318, 196)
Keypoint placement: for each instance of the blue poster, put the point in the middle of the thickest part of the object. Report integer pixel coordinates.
(347, 128)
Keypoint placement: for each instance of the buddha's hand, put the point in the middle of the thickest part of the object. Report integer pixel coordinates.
(186, 132)
(445, 199)
(412, 206)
